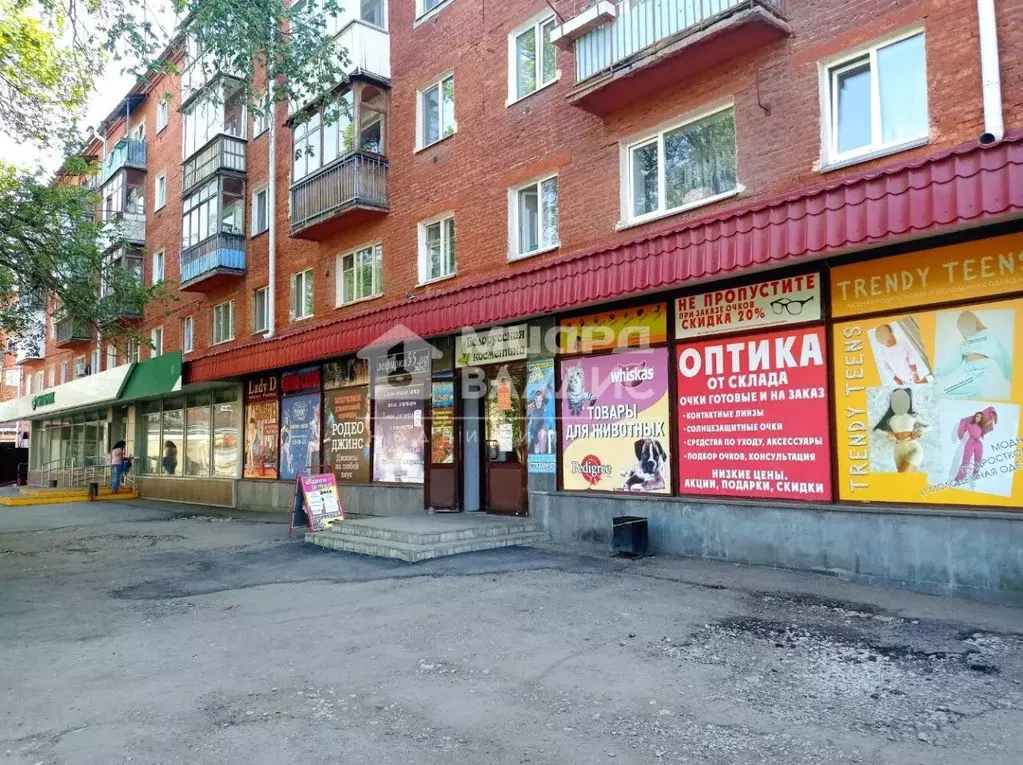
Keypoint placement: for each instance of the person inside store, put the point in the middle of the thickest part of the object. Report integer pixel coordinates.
(119, 465)
(170, 457)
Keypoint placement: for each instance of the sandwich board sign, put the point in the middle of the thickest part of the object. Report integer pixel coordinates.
(317, 502)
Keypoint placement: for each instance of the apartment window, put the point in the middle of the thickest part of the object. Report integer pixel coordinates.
(261, 119)
(156, 340)
(133, 351)
(361, 274)
(682, 166)
(302, 295)
(260, 208)
(39, 380)
(111, 357)
(162, 115)
(158, 267)
(436, 111)
(63, 373)
(531, 58)
(81, 370)
(260, 317)
(188, 334)
(217, 207)
(533, 217)
(138, 132)
(877, 99)
(223, 322)
(423, 7)
(93, 367)
(325, 136)
(436, 249)
(52, 375)
(160, 195)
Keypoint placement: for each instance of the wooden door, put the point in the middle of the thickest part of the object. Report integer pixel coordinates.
(504, 448)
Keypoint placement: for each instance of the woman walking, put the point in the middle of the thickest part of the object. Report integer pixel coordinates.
(116, 466)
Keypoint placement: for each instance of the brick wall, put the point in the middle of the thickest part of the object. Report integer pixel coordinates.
(497, 146)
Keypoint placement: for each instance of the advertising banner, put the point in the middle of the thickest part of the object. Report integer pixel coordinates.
(399, 436)
(971, 271)
(304, 380)
(492, 346)
(541, 437)
(345, 373)
(638, 327)
(753, 417)
(773, 303)
(442, 424)
(927, 406)
(614, 422)
(300, 433)
(320, 501)
(262, 429)
(346, 437)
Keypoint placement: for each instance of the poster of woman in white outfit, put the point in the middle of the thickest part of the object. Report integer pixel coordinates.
(902, 439)
(900, 354)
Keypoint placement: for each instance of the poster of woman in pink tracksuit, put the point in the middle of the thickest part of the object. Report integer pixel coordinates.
(971, 432)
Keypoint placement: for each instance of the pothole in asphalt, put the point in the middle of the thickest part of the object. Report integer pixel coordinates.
(847, 679)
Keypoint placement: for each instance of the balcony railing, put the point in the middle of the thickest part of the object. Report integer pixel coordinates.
(123, 227)
(114, 307)
(69, 333)
(358, 180)
(369, 52)
(218, 254)
(224, 152)
(127, 152)
(639, 24)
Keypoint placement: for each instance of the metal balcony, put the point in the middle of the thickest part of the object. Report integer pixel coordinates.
(343, 193)
(69, 334)
(212, 262)
(127, 152)
(224, 152)
(123, 228)
(626, 51)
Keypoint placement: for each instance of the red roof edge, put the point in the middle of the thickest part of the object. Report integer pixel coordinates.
(967, 184)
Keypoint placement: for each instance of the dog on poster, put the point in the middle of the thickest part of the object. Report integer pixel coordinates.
(648, 472)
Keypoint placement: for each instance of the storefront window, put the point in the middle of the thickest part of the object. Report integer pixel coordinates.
(149, 446)
(262, 426)
(173, 437)
(300, 421)
(226, 414)
(346, 435)
(197, 440)
(401, 389)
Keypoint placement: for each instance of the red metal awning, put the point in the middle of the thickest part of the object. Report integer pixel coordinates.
(967, 185)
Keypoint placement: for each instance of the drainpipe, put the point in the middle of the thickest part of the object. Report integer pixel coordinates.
(271, 203)
(991, 83)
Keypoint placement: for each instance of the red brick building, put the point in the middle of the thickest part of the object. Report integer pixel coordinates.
(520, 165)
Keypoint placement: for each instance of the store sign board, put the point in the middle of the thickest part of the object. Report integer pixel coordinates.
(266, 388)
(636, 327)
(753, 417)
(772, 303)
(318, 500)
(970, 271)
(492, 346)
(928, 406)
(92, 390)
(299, 381)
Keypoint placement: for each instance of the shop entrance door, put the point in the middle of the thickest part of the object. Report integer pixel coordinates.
(504, 453)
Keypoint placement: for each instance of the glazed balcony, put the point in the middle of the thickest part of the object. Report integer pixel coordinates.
(339, 195)
(121, 228)
(126, 153)
(116, 309)
(69, 334)
(626, 51)
(213, 262)
(225, 153)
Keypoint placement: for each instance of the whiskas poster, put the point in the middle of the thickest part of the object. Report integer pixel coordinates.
(541, 438)
(614, 422)
(300, 433)
(753, 417)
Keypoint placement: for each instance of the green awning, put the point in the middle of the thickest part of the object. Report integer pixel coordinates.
(154, 377)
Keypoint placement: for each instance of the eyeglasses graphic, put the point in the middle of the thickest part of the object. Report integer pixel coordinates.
(786, 305)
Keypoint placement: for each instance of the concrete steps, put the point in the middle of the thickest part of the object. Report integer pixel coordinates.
(418, 538)
(62, 496)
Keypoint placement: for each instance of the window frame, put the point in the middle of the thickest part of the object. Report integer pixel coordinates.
(424, 277)
(513, 218)
(162, 115)
(256, 299)
(656, 134)
(156, 349)
(188, 334)
(830, 69)
(308, 279)
(160, 257)
(536, 23)
(423, 13)
(63, 373)
(261, 123)
(256, 192)
(378, 274)
(438, 84)
(230, 307)
(158, 202)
